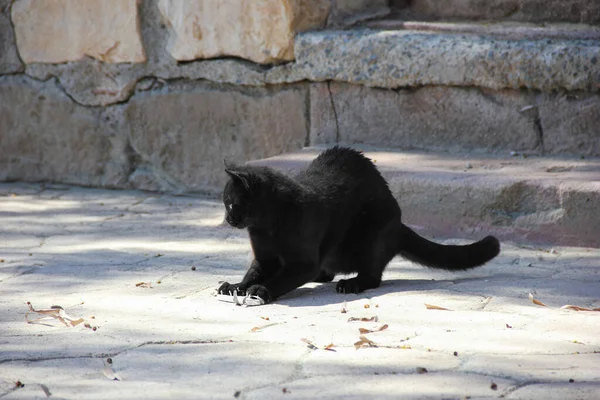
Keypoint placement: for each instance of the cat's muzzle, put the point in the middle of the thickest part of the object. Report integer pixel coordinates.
(235, 223)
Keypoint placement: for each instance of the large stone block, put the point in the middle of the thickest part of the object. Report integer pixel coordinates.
(262, 31)
(571, 123)
(393, 59)
(181, 136)
(58, 31)
(44, 136)
(9, 59)
(427, 118)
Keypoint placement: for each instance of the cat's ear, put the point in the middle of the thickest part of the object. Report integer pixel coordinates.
(237, 173)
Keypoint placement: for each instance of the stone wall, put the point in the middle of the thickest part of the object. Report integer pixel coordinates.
(154, 94)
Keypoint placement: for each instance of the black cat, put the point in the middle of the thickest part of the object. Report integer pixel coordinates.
(337, 216)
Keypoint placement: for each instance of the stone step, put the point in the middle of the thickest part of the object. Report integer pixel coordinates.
(586, 11)
(524, 199)
(455, 86)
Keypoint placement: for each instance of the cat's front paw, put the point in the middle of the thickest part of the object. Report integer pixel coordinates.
(229, 288)
(260, 291)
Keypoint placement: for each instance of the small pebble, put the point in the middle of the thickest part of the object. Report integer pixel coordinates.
(456, 354)
(193, 268)
(493, 386)
(571, 380)
(468, 165)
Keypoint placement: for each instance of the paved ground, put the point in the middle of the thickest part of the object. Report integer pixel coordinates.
(87, 250)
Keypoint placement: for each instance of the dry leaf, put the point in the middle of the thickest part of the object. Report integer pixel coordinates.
(539, 303)
(381, 328)
(508, 326)
(405, 347)
(432, 307)
(265, 318)
(329, 347)
(367, 306)
(144, 284)
(577, 308)
(364, 319)
(364, 342)
(256, 328)
(56, 312)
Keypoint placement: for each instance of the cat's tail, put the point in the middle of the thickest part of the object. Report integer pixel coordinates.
(450, 257)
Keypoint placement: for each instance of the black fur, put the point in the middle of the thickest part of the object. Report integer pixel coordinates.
(337, 216)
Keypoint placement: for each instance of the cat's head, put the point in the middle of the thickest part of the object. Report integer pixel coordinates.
(244, 195)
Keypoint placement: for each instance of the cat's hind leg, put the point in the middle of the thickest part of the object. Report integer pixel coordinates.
(324, 276)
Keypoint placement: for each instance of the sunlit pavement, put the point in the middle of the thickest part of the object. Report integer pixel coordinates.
(135, 274)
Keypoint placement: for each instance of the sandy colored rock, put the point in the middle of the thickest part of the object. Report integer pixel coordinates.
(262, 31)
(181, 138)
(68, 30)
(571, 123)
(434, 117)
(9, 59)
(44, 136)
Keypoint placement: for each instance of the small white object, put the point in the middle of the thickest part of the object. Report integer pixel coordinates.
(526, 108)
(468, 165)
(246, 301)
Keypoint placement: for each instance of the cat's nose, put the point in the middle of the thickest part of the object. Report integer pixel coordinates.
(232, 221)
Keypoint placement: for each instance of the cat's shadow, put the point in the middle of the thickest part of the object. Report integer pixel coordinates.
(325, 294)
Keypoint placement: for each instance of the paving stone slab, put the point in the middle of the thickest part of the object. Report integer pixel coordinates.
(169, 337)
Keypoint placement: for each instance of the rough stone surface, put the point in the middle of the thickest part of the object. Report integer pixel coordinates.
(86, 249)
(68, 30)
(181, 136)
(520, 57)
(323, 119)
(427, 118)
(44, 136)
(259, 30)
(587, 11)
(9, 58)
(571, 123)
(543, 200)
(392, 59)
(349, 12)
